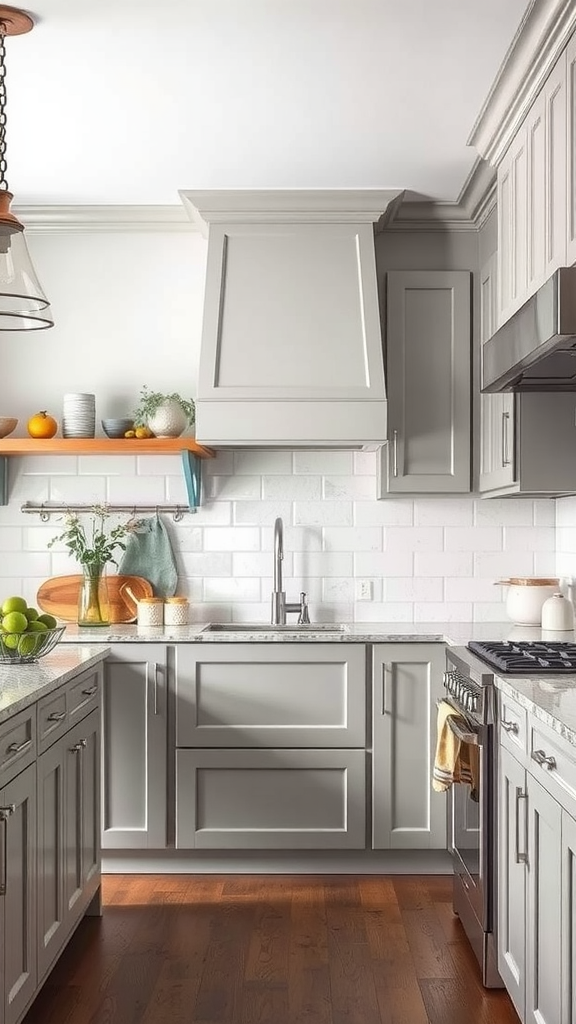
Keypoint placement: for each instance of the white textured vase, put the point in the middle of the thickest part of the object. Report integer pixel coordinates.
(169, 420)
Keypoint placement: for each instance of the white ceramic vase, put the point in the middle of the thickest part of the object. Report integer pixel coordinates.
(169, 420)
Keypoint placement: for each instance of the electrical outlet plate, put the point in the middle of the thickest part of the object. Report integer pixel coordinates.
(364, 590)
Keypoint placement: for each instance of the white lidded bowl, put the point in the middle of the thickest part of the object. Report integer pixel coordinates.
(526, 596)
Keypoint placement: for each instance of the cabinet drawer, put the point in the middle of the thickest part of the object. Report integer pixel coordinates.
(246, 695)
(17, 744)
(512, 724)
(270, 799)
(83, 695)
(553, 763)
(52, 718)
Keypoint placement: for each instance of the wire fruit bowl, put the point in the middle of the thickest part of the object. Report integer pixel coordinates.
(27, 648)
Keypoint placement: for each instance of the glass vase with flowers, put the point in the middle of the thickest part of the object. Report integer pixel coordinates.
(94, 547)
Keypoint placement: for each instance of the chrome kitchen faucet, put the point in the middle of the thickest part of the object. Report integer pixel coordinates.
(279, 606)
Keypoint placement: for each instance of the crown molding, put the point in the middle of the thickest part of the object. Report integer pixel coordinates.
(105, 218)
(537, 45)
(217, 206)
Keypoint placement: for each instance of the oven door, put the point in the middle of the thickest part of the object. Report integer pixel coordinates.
(471, 829)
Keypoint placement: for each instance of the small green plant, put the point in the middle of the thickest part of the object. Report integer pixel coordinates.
(93, 546)
(150, 402)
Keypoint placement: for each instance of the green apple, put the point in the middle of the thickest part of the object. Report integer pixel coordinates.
(14, 622)
(14, 604)
(31, 614)
(48, 620)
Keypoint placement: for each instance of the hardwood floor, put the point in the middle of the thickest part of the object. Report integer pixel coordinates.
(254, 949)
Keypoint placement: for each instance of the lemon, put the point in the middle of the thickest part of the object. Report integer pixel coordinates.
(14, 622)
(28, 643)
(11, 640)
(37, 627)
(48, 620)
(14, 604)
(31, 614)
(130, 433)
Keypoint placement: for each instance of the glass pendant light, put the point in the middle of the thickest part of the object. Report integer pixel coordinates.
(23, 304)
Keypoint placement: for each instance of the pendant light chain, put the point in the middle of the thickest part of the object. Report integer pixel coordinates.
(3, 164)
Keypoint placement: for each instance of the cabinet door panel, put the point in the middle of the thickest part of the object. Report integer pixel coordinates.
(270, 695)
(544, 907)
(428, 357)
(135, 747)
(91, 816)
(18, 950)
(407, 813)
(270, 799)
(555, 93)
(571, 161)
(51, 915)
(568, 919)
(512, 854)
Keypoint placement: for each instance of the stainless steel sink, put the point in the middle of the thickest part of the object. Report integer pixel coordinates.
(261, 627)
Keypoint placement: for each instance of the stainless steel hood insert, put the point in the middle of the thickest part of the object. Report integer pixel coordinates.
(535, 350)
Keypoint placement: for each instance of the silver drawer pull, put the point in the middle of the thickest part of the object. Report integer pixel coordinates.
(91, 691)
(510, 727)
(57, 716)
(545, 762)
(521, 857)
(17, 748)
(5, 813)
(78, 746)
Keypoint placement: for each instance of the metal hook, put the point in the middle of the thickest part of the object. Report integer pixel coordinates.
(44, 514)
(178, 515)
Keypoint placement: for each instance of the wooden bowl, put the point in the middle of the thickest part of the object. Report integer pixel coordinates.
(7, 425)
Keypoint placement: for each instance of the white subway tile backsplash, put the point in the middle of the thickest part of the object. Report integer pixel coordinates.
(291, 488)
(430, 559)
(341, 463)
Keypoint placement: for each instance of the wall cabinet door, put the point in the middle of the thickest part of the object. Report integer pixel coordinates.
(82, 817)
(497, 417)
(271, 695)
(568, 919)
(270, 799)
(18, 970)
(512, 857)
(407, 813)
(513, 226)
(571, 156)
(134, 800)
(544, 906)
(428, 343)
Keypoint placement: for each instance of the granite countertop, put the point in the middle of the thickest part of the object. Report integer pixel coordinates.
(22, 685)
(551, 699)
(452, 633)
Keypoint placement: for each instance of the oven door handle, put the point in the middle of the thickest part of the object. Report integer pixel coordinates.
(464, 735)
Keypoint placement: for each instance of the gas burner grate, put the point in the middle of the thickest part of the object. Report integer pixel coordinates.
(526, 657)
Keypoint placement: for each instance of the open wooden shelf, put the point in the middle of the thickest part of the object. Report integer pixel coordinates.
(103, 446)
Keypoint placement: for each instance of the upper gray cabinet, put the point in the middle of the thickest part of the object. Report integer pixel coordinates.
(291, 349)
(428, 350)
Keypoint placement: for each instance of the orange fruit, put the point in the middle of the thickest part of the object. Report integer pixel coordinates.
(143, 432)
(42, 425)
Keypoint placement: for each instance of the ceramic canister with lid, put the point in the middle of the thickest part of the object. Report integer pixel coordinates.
(176, 611)
(150, 611)
(558, 613)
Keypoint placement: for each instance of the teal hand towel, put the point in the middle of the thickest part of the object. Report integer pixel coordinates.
(149, 554)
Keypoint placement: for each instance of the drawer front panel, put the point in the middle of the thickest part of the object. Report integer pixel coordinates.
(553, 762)
(512, 724)
(17, 744)
(84, 694)
(52, 719)
(270, 799)
(244, 695)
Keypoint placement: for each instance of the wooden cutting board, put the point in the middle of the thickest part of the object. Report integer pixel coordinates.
(59, 596)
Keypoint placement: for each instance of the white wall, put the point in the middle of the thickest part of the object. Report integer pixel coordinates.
(128, 309)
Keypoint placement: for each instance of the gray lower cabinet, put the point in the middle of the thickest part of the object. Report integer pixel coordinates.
(407, 682)
(270, 799)
(568, 900)
(18, 963)
(301, 711)
(135, 747)
(512, 855)
(428, 346)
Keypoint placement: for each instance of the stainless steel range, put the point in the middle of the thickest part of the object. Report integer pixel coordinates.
(469, 683)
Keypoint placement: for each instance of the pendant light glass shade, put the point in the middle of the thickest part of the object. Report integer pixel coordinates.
(23, 304)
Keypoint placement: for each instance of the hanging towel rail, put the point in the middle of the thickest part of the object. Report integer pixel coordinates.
(47, 508)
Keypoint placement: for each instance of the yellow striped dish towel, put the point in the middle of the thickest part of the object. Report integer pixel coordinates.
(455, 761)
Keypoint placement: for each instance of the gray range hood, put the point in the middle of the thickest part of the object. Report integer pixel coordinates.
(535, 350)
(291, 351)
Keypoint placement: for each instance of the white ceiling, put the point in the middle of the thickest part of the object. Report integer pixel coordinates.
(127, 101)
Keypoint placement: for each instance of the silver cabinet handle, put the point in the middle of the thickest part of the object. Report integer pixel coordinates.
(5, 813)
(395, 453)
(78, 746)
(505, 439)
(521, 857)
(91, 691)
(17, 748)
(510, 727)
(57, 716)
(545, 762)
